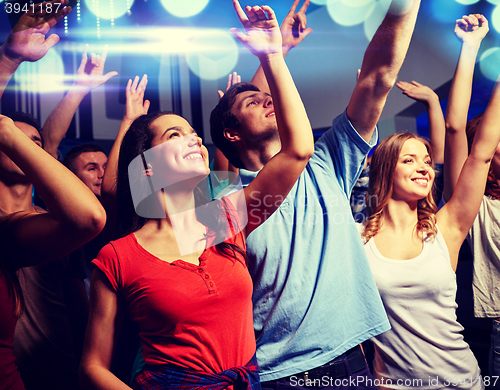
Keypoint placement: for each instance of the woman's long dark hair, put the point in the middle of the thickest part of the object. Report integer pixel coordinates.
(138, 140)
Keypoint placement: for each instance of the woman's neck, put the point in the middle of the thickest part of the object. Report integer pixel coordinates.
(179, 232)
(399, 216)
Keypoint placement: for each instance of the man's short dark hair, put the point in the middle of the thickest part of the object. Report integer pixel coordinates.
(22, 117)
(222, 118)
(71, 156)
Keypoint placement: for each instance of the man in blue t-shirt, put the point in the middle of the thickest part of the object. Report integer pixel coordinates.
(314, 297)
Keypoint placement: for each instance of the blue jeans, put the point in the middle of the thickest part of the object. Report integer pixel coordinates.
(494, 361)
(362, 379)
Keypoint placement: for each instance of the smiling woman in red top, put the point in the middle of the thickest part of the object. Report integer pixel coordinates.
(179, 269)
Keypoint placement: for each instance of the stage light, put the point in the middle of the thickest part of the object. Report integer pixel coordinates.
(184, 8)
(357, 3)
(319, 2)
(66, 25)
(467, 2)
(109, 9)
(43, 76)
(488, 63)
(447, 11)
(112, 12)
(495, 18)
(216, 56)
(496, 2)
(375, 18)
(178, 40)
(347, 15)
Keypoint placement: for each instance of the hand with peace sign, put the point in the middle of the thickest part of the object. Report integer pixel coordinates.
(294, 26)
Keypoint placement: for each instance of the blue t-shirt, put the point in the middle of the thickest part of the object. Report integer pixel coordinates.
(314, 295)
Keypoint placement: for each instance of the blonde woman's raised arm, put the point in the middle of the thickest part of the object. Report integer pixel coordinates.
(470, 30)
(458, 214)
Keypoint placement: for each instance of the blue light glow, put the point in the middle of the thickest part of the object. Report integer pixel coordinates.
(467, 2)
(347, 15)
(184, 8)
(375, 18)
(495, 18)
(216, 56)
(357, 3)
(45, 75)
(447, 11)
(488, 63)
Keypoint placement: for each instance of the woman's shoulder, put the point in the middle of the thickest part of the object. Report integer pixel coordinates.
(113, 248)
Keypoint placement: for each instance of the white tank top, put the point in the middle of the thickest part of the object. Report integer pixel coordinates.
(424, 349)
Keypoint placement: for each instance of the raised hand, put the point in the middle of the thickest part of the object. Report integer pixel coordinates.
(27, 41)
(262, 33)
(417, 91)
(135, 105)
(5, 124)
(233, 78)
(294, 26)
(471, 28)
(90, 72)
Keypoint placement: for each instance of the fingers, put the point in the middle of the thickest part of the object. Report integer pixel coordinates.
(482, 19)
(483, 22)
(238, 35)
(95, 59)
(84, 53)
(143, 83)
(302, 10)
(304, 6)
(468, 22)
(302, 20)
(293, 8)
(51, 41)
(146, 105)
(417, 84)
(134, 83)
(104, 54)
(269, 11)
(306, 32)
(108, 75)
(84, 58)
(232, 79)
(239, 12)
(128, 87)
(259, 12)
(403, 85)
(221, 94)
(134, 86)
(61, 13)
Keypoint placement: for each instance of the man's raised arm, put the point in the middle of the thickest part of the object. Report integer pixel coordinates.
(293, 31)
(381, 64)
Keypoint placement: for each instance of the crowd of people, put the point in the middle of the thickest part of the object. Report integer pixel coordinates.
(154, 268)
